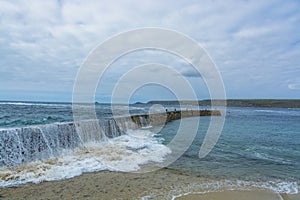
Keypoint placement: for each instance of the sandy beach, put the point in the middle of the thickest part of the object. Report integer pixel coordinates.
(149, 100)
(162, 184)
(240, 195)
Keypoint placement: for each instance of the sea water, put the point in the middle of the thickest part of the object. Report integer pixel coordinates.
(258, 147)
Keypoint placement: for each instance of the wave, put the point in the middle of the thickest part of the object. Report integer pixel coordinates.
(64, 150)
(33, 103)
(32, 143)
(271, 111)
(267, 157)
(125, 153)
(281, 112)
(279, 187)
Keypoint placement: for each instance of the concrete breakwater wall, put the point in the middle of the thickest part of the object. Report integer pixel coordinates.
(24, 144)
(162, 118)
(175, 115)
(119, 125)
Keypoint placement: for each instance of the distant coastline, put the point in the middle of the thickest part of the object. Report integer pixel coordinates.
(259, 103)
(264, 103)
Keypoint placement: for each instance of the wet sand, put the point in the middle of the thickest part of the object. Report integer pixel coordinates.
(161, 184)
(102, 185)
(240, 195)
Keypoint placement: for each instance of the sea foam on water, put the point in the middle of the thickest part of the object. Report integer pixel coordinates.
(124, 153)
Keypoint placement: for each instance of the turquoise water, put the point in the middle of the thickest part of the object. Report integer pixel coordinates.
(256, 144)
(18, 114)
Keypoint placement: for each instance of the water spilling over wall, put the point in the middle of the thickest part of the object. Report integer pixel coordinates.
(25, 144)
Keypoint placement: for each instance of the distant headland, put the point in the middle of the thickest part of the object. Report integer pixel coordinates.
(264, 103)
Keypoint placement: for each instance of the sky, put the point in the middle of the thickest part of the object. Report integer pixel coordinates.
(255, 45)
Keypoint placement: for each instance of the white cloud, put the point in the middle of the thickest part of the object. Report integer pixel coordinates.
(294, 86)
(45, 41)
(255, 32)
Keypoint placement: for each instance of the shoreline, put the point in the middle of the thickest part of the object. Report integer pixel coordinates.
(240, 195)
(254, 103)
(165, 183)
(160, 184)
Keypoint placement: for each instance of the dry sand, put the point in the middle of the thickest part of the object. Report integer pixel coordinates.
(161, 184)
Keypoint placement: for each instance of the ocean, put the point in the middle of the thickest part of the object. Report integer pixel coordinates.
(258, 147)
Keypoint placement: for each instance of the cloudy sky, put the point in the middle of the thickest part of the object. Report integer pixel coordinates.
(254, 44)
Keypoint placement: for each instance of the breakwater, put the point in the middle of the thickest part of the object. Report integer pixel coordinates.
(24, 144)
(158, 119)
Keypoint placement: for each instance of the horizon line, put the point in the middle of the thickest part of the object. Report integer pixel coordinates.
(142, 102)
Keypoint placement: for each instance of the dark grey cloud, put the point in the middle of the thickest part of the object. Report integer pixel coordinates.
(190, 72)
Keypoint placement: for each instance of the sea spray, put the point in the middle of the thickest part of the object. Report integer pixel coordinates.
(124, 153)
(33, 143)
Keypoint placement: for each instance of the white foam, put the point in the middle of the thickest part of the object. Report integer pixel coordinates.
(221, 185)
(16, 103)
(283, 111)
(125, 153)
(265, 156)
(33, 104)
